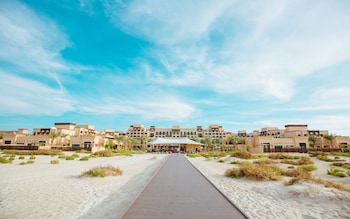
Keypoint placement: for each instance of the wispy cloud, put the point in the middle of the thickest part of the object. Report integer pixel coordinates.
(30, 41)
(160, 107)
(265, 46)
(27, 97)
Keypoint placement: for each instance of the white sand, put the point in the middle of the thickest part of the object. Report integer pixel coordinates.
(275, 200)
(44, 190)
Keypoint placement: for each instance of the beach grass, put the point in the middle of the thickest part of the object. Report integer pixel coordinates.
(103, 171)
(34, 152)
(54, 162)
(244, 155)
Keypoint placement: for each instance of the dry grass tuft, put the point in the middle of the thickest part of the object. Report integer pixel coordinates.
(243, 155)
(258, 172)
(103, 171)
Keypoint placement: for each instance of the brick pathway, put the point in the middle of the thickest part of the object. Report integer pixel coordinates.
(178, 190)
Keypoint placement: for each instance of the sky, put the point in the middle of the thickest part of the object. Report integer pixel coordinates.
(244, 65)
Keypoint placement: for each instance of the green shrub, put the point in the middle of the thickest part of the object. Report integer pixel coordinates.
(243, 155)
(258, 172)
(291, 167)
(103, 171)
(21, 157)
(62, 156)
(105, 153)
(346, 166)
(75, 155)
(309, 167)
(11, 158)
(30, 161)
(336, 172)
(5, 160)
(301, 161)
(86, 158)
(221, 161)
(324, 158)
(54, 162)
(282, 156)
(32, 157)
(34, 152)
(192, 155)
(70, 158)
(23, 163)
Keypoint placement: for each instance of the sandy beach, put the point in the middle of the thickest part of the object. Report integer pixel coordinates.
(44, 190)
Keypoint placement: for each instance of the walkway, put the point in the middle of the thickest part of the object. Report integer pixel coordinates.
(178, 190)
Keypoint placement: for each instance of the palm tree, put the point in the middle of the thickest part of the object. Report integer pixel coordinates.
(312, 140)
(330, 138)
(121, 140)
(208, 142)
(53, 136)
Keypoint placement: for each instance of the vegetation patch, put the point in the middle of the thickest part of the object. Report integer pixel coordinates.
(221, 161)
(75, 155)
(54, 162)
(282, 156)
(23, 163)
(192, 155)
(70, 158)
(336, 172)
(259, 172)
(5, 159)
(103, 171)
(235, 162)
(34, 152)
(21, 157)
(86, 158)
(30, 161)
(105, 153)
(243, 155)
(301, 161)
(122, 153)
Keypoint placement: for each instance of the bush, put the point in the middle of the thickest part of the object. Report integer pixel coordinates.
(32, 157)
(30, 161)
(235, 162)
(34, 152)
(265, 161)
(192, 155)
(103, 171)
(301, 161)
(221, 161)
(336, 172)
(324, 158)
(54, 162)
(75, 155)
(258, 172)
(282, 156)
(5, 160)
(70, 158)
(346, 166)
(21, 157)
(23, 163)
(62, 156)
(308, 167)
(86, 158)
(299, 173)
(105, 153)
(243, 155)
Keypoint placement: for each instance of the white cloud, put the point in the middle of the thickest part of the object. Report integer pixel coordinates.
(28, 97)
(160, 107)
(257, 50)
(29, 40)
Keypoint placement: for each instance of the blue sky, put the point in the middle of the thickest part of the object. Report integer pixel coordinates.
(113, 63)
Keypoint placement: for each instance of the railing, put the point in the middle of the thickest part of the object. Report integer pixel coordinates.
(18, 147)
(300, 150)
(70, 148)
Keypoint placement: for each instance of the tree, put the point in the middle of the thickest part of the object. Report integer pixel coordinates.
(208, 142)
(53, 136)
(312, 140)
(121, 140)
(330, 138)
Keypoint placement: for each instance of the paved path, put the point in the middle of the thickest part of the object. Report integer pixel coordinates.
(178, 190)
